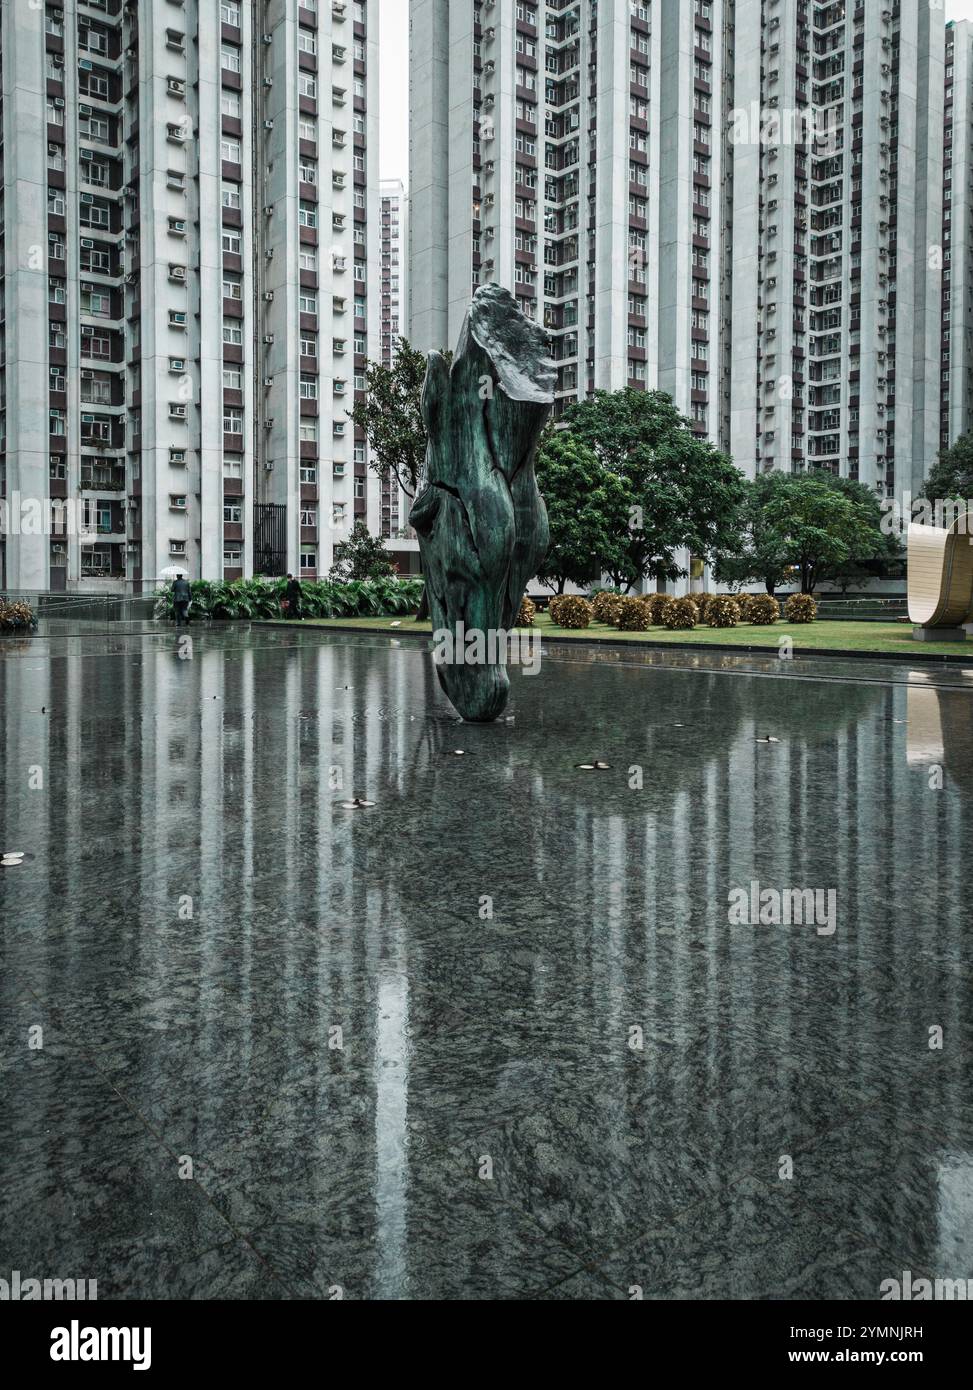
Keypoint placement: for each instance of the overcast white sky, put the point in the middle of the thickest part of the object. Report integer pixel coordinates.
(394, 81)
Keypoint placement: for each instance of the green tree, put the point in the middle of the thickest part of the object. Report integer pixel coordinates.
(951, 476)
(391, 418)
(757, 553)
(683, 492)
(587, 507)
(361, 556)
(390, 415)
(820, 525)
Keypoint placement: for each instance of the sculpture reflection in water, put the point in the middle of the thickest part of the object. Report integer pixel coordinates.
(481, 521)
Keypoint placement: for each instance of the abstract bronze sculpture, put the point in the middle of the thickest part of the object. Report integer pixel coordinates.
(480, 519)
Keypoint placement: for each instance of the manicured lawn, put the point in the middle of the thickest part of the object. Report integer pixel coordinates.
(892, 638)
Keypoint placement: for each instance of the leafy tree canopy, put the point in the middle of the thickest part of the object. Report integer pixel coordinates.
(361, 556)
(683, 492)
(588, 509)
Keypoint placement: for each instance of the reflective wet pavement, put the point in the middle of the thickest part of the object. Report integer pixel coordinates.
(494, 1036)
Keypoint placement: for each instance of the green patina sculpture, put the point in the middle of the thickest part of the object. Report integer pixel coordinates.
(481, 521)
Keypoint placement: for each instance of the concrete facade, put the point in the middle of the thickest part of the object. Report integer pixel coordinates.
(192, 310)
(735, 201)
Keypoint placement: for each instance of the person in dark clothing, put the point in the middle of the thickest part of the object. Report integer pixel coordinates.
(294, 597)
(181, 595)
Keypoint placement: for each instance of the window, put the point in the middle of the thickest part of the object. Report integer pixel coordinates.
(230, 195)
(230, 57)
(232, 557)
(308, 302)
(307, 85)
(232, 465)
(309, 431)
(307, 41)
(232, 421)
(309, 516)
(308, 170)
(230, 103)
(232, 512)
(309, 554)
(308, 258)
(309, 473)
(307, 129)
(232, 286)
(230, 151)
(233, 334)
(232, 242)
(230, 13)
(96, 302)
(309, 387)
(309, 345)
(232, 379)
(307, 214)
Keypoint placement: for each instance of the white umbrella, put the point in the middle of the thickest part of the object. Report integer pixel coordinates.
(173, 572)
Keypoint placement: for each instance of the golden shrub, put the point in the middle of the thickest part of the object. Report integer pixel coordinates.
(800, 608)
(570, 610)
(722, 611)
(762, 610)
(633, 615)
(657, 605)
(605, 607)
(681, 615)
(528, 611)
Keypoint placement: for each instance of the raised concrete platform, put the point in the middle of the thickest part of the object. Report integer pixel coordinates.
(939, 634)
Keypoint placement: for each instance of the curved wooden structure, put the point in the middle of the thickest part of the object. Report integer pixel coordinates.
(941, 574)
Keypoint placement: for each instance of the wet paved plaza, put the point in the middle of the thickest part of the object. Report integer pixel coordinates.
(495, 1036)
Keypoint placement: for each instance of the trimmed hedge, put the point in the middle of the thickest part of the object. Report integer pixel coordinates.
(722, 611)
(657, 605)
(762, 610)
(528, 611)
(320, 598)
(800, 608)
(633, 615)
(16, 617)
(606, 606)
(681, 615)
(569, 610)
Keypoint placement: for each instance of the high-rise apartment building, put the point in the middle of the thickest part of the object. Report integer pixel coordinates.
(956, 358)
(835, 228)
(567, 151)
(739, 202)
(393, 323)
(190, 272)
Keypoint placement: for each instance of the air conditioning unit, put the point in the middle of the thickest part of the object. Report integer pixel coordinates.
(269, 253)
(268, 125)
(268, 210)
(269, 423)
(268, 296)
(268, 381)
(268, 339)
(268, 82)
(177, 272)
(267, 38)
(87, 244)
(177, 364)
(87, 375)
(176, 87)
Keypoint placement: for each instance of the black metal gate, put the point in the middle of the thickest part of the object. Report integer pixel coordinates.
(270, 539)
